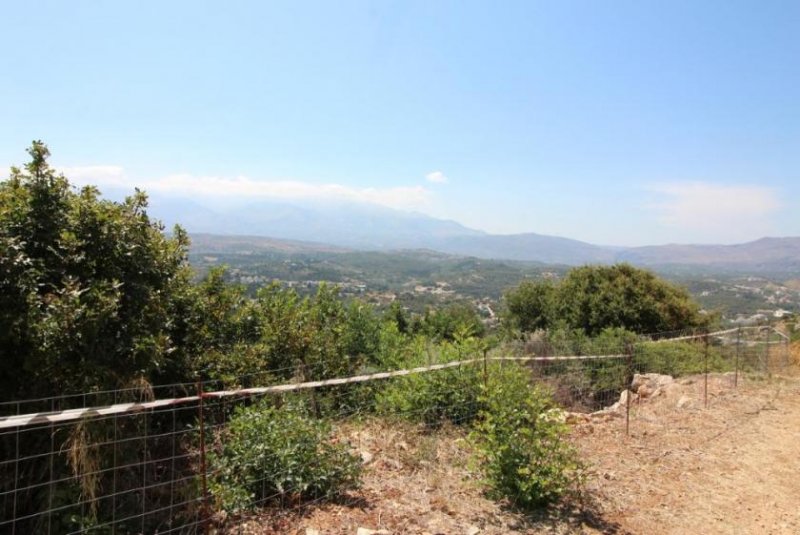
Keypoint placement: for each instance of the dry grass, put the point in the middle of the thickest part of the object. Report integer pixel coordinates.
(417, 481)
(730, 468)
(84, 460)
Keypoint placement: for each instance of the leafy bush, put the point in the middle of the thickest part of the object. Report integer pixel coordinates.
(268, 453)
(451, 394)
(434, 398)
(679, 358)
(521, 444)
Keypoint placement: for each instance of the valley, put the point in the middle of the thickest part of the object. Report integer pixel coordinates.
(421, 278)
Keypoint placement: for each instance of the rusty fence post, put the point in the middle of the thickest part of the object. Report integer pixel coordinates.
(738, 350)
(766, 350)
(485, 370)
(705, 361)
(628, 386)
(203, 481)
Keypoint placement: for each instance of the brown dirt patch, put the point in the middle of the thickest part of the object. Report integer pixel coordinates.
(731, 468)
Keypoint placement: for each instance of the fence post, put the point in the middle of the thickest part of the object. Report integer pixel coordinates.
(705, 360)
(628, 377)
(738, 349)
(204, 483)
(485, 371)
(766, 350)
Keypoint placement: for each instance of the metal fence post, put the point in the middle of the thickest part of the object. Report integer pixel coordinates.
(204, 483)
(705, 360)
(738, 349)
(485, 370)
(766, 350)
(787, 352)
(628, 377)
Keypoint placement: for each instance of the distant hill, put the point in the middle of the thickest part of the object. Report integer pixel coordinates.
(243, 245)
(352, 225)
(527, 247)
(332, 227)
(766, 254)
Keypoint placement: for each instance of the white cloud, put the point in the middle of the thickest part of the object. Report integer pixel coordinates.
(92, 174)
(242, 187)
(716, 210)
(437, 177)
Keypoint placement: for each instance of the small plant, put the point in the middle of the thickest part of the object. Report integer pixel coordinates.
(521, 447)
(269, 454)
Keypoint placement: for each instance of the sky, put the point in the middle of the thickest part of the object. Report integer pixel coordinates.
(618, 122)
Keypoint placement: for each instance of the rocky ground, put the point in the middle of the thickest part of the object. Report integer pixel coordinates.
(684, 468)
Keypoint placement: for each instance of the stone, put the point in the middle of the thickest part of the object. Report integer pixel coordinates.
(367, 531)
(473, 530)
(366, 457)
(312, 531)
(685, 402)
(620, 405)
(653, 381)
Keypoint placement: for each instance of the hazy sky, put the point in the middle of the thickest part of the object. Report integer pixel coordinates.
(612, 122)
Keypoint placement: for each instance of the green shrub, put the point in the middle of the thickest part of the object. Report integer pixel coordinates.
(521, 445)
(267, 453)
(434, 398)
(679, 358)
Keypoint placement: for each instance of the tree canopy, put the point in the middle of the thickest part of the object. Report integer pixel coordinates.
(594, 298)
(89, 288)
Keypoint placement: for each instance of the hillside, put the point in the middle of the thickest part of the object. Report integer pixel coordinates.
(766, 254)
(335, 226)
(425, 277)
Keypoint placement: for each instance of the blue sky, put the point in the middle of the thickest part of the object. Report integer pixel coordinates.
(612, 122)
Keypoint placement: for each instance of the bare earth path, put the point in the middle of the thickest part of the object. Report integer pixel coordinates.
(731, 468)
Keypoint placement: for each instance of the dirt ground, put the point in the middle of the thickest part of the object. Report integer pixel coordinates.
(733, 467)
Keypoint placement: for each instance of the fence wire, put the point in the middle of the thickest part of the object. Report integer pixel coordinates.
(137, 460)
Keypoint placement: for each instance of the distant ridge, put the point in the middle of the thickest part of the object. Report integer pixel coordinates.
(340, 227)
(777, 254)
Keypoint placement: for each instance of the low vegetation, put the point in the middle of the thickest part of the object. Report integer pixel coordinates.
(271, 455)
(94, 296)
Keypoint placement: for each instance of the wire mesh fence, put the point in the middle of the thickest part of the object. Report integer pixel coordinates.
(148, 459)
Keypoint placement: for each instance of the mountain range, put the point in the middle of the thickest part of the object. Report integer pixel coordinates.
(330, 227)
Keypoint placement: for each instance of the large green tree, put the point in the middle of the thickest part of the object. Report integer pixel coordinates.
(594, 298)
(90, 289)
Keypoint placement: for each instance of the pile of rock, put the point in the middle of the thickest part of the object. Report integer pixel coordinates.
(650, 385)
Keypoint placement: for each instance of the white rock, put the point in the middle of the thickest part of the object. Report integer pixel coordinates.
(366, 457)
(473, 530)
(653, 381)
(367, 531)
(312, 531)
(622, 403)
(685, 402)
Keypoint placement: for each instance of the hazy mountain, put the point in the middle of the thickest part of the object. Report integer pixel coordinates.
(527, 247)
(228, 244)
(352, 225)
(766, 254)
(332, 226)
